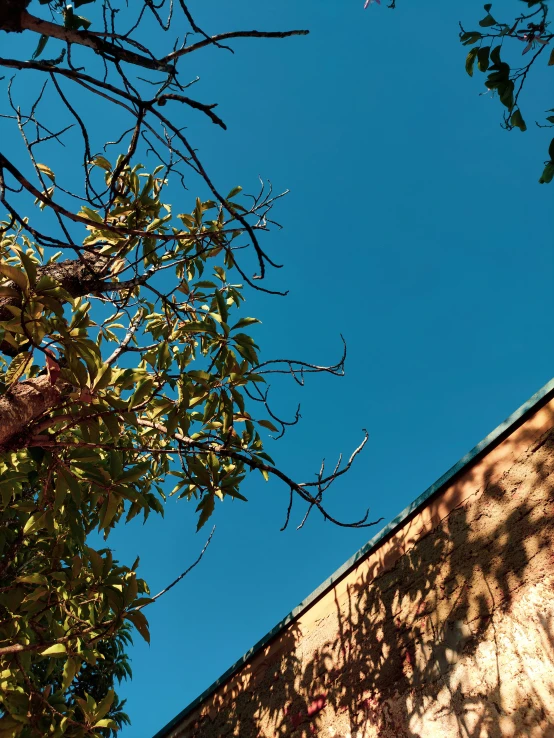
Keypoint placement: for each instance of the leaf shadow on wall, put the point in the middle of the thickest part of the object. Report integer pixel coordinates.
(456, 638)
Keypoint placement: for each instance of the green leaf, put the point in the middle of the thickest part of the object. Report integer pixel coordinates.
(487, 21)
(43, 40)
(70, 669)
(61, 492)
(74, 22)
(105, 704)
(112, 424)
(268, 424)
(32, 579)
(220, 272)
(495, 56)
(470, 38)
(194, 326)
(46, 283)
(548, 174)
(109, 510)
(107, 723)
(200, 375)
(222, 306)
(187, 219)
(226, 408)
(100, 161)
(517, 120)
(96, 562)
(56, 650)
(17, 368)
(210, 407)
(506, 94)
(86, 212)
(134, 473)
(470, 60)
(141, 393)
(73, 484)
(483, 58)
(16, 275)
(235, 493)
(243, 322)
(29, 266)
(103, 378)
(10, 727)
(266, 457)
(206, 508)
(140, 622)
(46, 170)
(9, 292)
(34, 523)
(234, 191)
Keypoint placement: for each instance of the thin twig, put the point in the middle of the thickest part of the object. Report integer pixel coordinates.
(181, 576)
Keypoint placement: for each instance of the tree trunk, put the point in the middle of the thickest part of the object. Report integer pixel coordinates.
(25, 402)
(10, 14)
(78, 277)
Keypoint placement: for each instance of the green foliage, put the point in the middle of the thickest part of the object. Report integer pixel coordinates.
(62, 604)
(124, 357)
(508, 80)
(178, 408)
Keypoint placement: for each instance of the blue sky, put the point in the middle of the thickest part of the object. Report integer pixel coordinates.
(416, 228)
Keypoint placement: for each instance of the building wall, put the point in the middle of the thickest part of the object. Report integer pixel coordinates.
(445, 631)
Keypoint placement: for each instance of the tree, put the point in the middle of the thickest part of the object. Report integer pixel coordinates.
(124, 357)
(530, 28)
(492, 43)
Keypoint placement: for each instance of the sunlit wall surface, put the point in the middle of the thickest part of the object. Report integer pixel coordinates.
(445, 627)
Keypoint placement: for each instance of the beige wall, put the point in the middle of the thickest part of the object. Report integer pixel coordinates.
(446, 630)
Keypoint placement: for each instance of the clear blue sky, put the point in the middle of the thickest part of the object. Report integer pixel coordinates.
(415, 226)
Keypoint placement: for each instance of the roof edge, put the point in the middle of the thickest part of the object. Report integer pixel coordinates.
(494, 438)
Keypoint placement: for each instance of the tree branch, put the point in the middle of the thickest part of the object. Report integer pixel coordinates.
(181, 576)
(231, 34)
(25, 402)
(91, 40)
(321, 483)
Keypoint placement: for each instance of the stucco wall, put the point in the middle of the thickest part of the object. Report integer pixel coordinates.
(446, 630)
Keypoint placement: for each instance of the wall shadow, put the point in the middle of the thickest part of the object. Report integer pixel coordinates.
(455, 638)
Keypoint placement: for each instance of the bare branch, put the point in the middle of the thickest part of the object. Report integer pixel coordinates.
(133, 325)
(232, 34)
(181, 576)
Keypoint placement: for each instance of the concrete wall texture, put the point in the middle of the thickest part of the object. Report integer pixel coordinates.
(445, 630)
